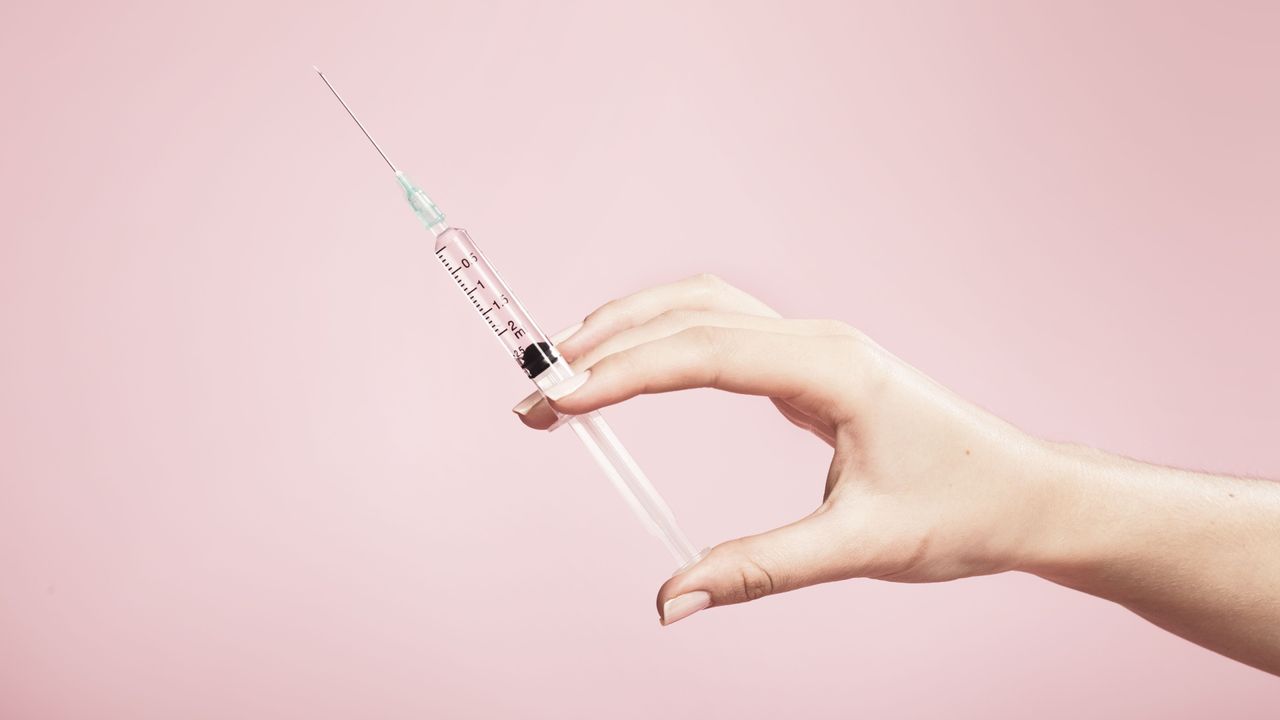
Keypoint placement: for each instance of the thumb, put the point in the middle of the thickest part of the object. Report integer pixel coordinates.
(806, 552)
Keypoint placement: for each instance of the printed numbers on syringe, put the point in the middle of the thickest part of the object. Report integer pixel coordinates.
(467, 262)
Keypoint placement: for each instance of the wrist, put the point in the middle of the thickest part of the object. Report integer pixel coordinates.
(1077, 513)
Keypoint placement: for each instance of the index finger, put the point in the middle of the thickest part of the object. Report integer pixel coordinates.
(700, 292)
(752, 362)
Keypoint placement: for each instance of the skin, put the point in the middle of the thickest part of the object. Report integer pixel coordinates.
(926, 487)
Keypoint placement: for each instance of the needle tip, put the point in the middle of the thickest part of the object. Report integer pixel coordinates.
(313, 67)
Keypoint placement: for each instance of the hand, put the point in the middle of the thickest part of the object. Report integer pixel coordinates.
(923, 486)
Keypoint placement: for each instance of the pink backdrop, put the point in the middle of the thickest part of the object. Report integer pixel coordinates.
(256, 457)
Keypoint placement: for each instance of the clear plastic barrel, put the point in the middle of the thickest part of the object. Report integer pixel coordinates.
(497, 306)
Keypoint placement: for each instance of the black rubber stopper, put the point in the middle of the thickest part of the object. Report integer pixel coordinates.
(538, 357)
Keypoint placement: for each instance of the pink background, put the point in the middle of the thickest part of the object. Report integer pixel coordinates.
(256, 457)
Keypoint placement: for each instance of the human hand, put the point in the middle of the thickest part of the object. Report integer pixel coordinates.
(922, 487)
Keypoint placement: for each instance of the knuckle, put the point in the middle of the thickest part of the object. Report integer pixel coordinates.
(706, 338)
(849, 349)
(861, 337)
(710, 284)
(838, 327)
(620, 364)
(606, 313)
(676, 317)
(756, 581)
(744, 578)
(859, 363)
(596, 316)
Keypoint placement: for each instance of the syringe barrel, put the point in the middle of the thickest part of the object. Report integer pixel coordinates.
(512, 325)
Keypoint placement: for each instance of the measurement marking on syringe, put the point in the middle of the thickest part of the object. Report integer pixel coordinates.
(471, 293)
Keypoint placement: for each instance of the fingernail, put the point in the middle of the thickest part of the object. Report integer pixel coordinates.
(682, 606)
(565, 334)
(527, 403)
(562, 389)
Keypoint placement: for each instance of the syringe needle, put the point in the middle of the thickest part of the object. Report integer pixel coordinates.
(426, 210)
(353, 117)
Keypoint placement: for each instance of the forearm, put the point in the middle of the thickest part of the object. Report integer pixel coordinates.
(1196, 554)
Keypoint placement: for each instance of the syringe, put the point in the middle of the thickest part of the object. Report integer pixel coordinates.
(536, 355)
